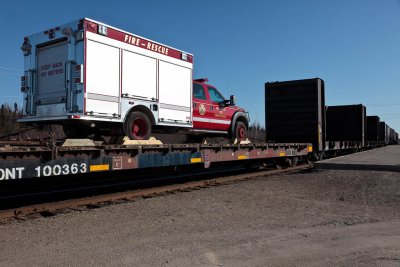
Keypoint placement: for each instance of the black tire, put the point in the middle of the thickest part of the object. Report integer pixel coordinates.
(292, 161)
(138, 126)
(240, 131)
(280, 164)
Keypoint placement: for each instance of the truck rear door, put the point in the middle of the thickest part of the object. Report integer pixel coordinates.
(50, 96)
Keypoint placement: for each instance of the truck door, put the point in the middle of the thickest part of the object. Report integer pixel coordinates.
(201, 107)
(50, 97)
(219, 119)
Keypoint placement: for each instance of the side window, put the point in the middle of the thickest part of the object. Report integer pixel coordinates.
(215, 96)
(198, 91)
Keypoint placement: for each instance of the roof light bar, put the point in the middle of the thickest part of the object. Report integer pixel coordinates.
(202, 80)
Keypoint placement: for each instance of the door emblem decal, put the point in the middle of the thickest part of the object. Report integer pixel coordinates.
(202, 109)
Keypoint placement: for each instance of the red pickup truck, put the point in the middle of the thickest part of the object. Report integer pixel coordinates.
(214, 114)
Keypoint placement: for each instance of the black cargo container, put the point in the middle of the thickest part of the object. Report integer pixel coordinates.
(346, 124)
(383, 133)
(295, 112)
(373, 126)
(392, 136)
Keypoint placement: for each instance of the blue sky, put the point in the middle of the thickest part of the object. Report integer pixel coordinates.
(239, 45)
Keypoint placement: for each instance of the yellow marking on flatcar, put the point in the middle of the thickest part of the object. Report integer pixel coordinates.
(243, 157)
(102, 167)
(195, 160)
(310, 149)
(282, 154)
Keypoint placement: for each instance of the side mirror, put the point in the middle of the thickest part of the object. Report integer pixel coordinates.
(232, 100)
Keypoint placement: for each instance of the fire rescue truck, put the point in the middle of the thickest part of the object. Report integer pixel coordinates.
(89, 76)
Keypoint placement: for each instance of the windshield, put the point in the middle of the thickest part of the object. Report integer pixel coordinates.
(215, 96)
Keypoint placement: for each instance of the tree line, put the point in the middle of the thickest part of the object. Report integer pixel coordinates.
(8, 119)
(10, 129)
(256, 132)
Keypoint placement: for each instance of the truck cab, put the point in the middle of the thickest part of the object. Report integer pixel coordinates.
(213, 113)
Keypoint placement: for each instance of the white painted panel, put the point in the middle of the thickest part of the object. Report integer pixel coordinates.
(102, 69)
(139, 75)
(175, 84)
(103, 107)
(178, 115)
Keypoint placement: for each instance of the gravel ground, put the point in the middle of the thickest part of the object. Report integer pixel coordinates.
(326, 217)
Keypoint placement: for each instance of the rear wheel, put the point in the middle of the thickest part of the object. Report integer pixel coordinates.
(138, 126)
(240, 131)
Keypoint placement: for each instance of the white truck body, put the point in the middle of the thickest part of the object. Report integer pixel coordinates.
(87, 70)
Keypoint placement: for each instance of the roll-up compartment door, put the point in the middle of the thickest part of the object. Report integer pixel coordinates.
(175, 93)
(139, 76)
(102, 79)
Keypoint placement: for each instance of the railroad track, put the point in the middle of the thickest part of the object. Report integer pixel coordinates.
(50, 209)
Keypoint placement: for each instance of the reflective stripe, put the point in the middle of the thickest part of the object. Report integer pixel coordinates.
(174, 107)
(201, 119)
(195, 160)
(220, 121)
(102, 97)
(102, 167)
(212, 120)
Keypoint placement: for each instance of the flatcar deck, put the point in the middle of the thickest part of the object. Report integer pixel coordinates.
(21, 162)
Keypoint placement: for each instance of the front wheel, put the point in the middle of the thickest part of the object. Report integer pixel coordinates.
(240, 131)
(138, 126)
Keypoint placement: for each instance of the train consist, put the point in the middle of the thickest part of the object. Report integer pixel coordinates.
(88, 74)
(296, 112)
